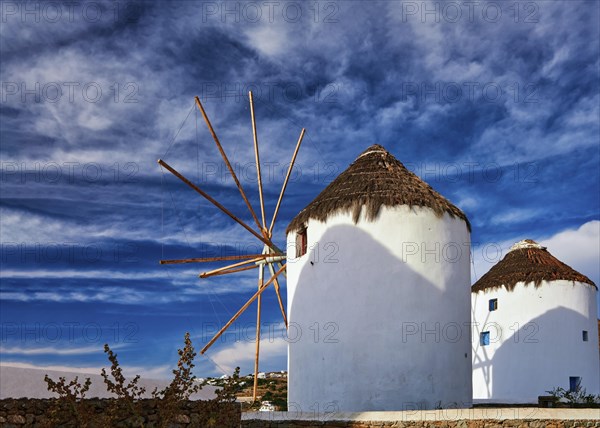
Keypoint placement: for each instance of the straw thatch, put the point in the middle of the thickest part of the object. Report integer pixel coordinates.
(528, 262)
(374, 179)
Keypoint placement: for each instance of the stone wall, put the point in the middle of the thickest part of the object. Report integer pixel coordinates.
(38, 412)
(539, 423)
(448, 418)
(24, 412)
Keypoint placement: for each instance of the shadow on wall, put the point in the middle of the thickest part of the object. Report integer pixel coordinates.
(375, 333)
(541, 355)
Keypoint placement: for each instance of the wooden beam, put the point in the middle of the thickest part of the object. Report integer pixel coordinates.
(214, 202)
(226, 272)
(212, 259)
(261, 273)
(285, 182)
(257, 157)
(280, 301)
(215, 271)
(226, 159)
(242, 309)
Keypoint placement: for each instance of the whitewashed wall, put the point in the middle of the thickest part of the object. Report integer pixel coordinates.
(380, 320)
(536, 341)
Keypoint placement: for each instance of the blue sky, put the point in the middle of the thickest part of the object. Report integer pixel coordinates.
(495, 104)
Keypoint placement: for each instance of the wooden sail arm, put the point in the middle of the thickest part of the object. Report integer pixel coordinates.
(226, 272)
(285, 182)
(276, 284)
(257, 157)
(216, 271)
(214, 202)
(261, 274)
(227, 163)
(212, 259)
(279, 300)
(242, 309)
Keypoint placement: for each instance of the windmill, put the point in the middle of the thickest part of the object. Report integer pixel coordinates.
(271, 257)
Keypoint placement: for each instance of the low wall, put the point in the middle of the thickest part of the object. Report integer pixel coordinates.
(448, 418)
(29, 412)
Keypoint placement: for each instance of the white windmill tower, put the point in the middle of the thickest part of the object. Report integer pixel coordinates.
(382, 273)
(537, 328)
(271, 257)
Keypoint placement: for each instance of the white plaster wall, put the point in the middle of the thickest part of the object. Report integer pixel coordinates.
(536, 341)
(380, 320)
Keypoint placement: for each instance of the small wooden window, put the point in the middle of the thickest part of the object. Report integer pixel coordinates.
(493, 304)
(301, 242)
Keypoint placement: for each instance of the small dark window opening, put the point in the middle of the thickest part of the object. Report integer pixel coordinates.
(493, 304)
(301, 243)
(574, 383)
(585, 335)
(484, 338)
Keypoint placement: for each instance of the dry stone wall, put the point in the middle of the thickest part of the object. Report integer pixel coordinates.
(24, 412)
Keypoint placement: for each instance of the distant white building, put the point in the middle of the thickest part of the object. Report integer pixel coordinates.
(267, 406)
(536, 328)
(378, 277)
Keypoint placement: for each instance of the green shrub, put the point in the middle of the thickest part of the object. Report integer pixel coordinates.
(71, 409)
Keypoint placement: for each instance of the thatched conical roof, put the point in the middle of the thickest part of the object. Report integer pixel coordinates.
(528, 262)
(374, 179)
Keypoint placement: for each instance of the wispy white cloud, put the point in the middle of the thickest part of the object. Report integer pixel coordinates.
(514, 215)
(242, 354)
(58, 368)
(467, 202)
(146, 372)
(579, 248)
(28, 227)
(114, 296)
(184, 283)
(74, 273)
(46, 350)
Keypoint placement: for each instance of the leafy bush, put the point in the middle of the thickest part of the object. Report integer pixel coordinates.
(71, 408)
(181, 387)
(230, 388)
(126, 404)
(579, 396)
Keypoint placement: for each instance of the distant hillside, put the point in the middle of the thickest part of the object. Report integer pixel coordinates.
(18, 382)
